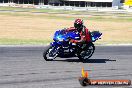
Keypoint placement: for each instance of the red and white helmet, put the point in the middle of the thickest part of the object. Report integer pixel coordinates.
(78, 24)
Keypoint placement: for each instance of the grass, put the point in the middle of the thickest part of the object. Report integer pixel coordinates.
(52, 16)
(21, 28)
(6, 41)
(36, 10)
(100, 16)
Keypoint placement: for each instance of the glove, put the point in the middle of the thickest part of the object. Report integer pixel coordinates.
(72, 41)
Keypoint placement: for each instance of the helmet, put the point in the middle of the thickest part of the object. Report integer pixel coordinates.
(78, 24)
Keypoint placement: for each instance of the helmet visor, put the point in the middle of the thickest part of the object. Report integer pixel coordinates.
(77, 25)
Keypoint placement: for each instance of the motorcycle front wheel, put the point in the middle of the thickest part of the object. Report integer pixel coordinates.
(87, 52)
(49, 53)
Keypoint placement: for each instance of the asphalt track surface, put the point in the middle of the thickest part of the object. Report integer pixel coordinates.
(24, 67)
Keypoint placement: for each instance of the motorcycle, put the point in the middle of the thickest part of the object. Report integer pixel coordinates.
(62, 47)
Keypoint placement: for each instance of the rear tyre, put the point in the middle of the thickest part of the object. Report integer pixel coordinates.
(87, 52)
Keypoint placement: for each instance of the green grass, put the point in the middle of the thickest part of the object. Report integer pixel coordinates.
(96, 15)
(5, 41)
(52, 16)
(112, 42)
(34, 10)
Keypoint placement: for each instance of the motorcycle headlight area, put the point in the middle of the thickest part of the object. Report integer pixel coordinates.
(59, 38)
(93, 39)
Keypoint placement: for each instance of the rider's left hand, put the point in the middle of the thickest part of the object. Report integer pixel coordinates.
(72, 41)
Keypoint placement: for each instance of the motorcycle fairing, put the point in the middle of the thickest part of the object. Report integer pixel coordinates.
(95, 35)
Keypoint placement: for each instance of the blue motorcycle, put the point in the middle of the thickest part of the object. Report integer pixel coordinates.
(62, 47)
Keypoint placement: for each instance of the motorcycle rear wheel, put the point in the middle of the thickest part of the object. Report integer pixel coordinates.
(87, 52)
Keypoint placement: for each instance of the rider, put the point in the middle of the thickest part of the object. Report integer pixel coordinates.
(83, 31)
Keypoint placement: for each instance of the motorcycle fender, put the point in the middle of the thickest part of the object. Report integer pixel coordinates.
(53, 44)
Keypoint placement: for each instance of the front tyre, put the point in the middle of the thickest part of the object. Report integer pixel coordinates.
(87, 52)
(47, 53)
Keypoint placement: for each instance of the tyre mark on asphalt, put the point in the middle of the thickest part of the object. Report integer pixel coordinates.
(112, 75)
(36, 81)
(57, 79)
(33, 73)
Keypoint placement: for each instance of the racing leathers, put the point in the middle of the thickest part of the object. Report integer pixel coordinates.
(84, 35)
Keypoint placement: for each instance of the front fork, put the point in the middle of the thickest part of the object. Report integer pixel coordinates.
(55, 50)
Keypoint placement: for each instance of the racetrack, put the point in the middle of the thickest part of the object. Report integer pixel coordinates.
(24, 67)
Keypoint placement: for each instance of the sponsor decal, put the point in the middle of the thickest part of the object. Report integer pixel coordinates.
(128, 2)
(85, 81)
